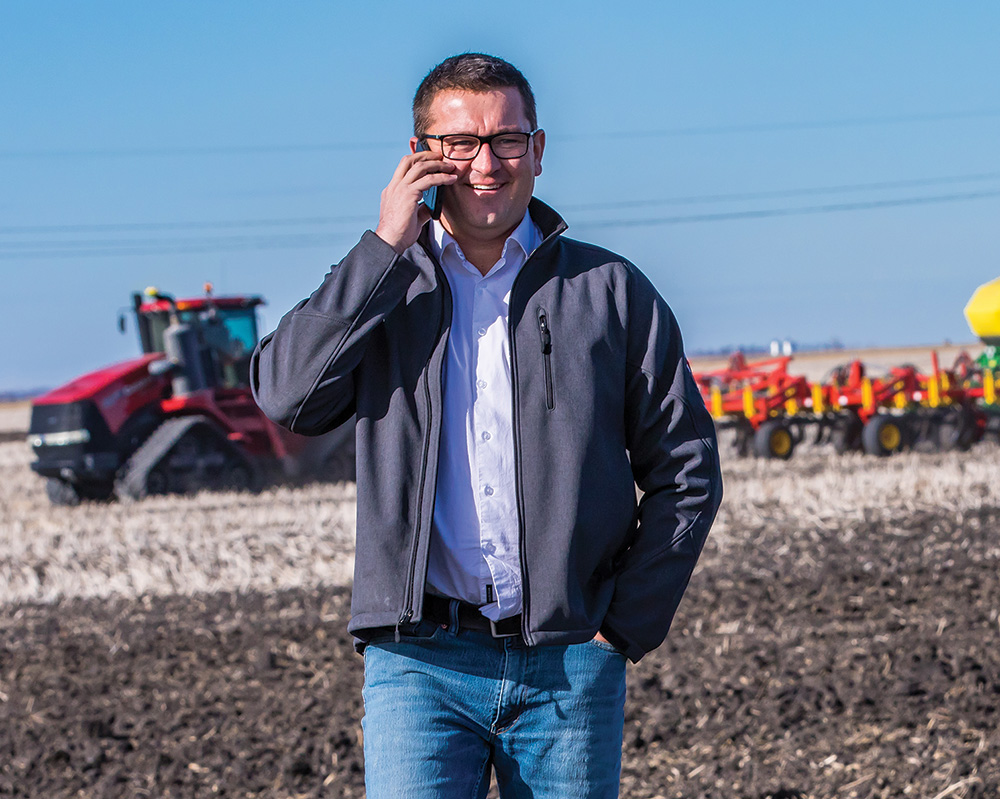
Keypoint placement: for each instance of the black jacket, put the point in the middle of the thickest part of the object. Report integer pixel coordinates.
(603, 401)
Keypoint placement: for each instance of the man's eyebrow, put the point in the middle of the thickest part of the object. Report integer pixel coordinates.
(514, 129)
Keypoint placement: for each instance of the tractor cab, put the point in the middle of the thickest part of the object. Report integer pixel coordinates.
(214, 336)
(177, 419)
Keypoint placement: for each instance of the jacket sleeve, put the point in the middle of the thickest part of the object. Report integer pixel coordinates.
(673, 448)
(301, 373)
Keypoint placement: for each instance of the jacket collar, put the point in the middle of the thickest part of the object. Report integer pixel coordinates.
(525, 237)
(549, 223)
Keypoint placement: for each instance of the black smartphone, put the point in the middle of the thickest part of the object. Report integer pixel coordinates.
(432, 197)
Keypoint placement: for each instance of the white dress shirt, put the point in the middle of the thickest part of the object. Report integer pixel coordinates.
(474, 549)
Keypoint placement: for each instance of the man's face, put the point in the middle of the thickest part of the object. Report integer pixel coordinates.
(491, 195)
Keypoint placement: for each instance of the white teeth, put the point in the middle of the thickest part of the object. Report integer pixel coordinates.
(485, 188)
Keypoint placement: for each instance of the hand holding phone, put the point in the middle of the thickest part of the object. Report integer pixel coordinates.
(405, 205)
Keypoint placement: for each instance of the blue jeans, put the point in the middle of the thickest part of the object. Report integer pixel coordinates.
(443, 705)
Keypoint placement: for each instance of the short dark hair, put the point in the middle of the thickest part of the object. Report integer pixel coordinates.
(471, 72)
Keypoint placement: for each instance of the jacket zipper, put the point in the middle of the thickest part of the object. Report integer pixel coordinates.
(546, 335)
(407, 613)
(518, 482)
(518, 478)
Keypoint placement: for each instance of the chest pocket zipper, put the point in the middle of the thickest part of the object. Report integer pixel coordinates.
(546, 337)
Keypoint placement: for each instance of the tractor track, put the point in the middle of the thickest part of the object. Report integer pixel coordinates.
(132, 482)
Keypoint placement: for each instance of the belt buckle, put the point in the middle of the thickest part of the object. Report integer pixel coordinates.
(496, 634)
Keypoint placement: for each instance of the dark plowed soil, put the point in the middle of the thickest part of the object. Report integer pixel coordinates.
(855, 662)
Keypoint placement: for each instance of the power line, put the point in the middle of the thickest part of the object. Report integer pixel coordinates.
(769, 127)
(760, 195)
(140, 247)
(222, 149)
(297, 241)
(604, 206)
(802, 210)
(368, 145)
(220, 225)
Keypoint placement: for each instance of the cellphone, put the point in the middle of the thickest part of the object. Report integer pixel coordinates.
(432, 197)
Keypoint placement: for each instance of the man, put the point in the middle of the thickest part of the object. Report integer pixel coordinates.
(512, 387)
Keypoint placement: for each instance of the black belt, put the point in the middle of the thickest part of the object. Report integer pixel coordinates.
(438, 609)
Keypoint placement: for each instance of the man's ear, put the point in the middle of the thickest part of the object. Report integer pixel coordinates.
(413, 144)
(538, 142)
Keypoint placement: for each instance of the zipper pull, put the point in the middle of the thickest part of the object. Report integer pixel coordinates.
(543, 329)
(404, 618)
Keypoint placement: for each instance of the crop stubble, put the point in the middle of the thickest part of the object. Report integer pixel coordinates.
(839, 639)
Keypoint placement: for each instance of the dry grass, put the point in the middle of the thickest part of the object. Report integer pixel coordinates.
(820, 490)
(14, 420)
(299, 537)
(281, 538)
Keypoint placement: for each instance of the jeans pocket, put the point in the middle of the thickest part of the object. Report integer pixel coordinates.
(607, 647)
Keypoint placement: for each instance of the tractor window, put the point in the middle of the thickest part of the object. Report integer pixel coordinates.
(242, 326)
(231, 335)
(155, 323)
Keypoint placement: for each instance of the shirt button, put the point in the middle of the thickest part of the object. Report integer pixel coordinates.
(481, 384)
(482, 331)
(486, 436)
(488, 491)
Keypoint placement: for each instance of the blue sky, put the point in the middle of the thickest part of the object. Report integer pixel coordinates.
(812, 171)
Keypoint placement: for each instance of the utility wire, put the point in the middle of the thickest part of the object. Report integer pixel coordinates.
(222, 149)
(768, 127)
(169, 247)
(221, 225)
(360, 146)
(297, 241)
(604, 206)
(761, 195)
(802, 210)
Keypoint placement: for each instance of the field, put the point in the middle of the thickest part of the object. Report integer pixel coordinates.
(14, 420)
(840, 639)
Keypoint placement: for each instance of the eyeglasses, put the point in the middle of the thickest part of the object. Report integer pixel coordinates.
(465, 146)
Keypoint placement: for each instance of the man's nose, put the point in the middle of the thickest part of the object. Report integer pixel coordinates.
(485, 161)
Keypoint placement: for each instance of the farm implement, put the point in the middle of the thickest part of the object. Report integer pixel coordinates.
(772, 410)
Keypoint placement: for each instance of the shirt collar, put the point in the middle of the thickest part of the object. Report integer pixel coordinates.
(525, 235)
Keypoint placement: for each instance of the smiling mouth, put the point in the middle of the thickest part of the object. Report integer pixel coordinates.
(486, 187)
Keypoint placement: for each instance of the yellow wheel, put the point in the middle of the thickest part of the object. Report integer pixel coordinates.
(781, 443)
(774, 439)
(890, 437)
(883, 435)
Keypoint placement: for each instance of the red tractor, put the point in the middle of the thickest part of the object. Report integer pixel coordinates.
(179, 418)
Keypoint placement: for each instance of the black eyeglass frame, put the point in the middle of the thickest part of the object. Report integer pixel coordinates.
(484, 140)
